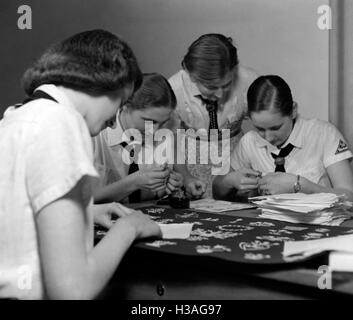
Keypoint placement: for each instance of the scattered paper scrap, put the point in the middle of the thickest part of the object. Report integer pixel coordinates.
(176, 230)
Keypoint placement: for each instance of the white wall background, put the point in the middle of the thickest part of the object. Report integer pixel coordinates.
(273, 36)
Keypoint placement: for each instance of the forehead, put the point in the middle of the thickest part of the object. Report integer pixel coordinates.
(268, 118)
(155, 113)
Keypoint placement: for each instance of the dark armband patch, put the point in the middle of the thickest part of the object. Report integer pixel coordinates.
(342, 146)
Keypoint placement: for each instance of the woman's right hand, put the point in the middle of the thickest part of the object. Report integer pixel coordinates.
(245, 179)
(143, 225)
(152, 179)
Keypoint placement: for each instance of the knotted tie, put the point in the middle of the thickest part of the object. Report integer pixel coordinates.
(136, 195)
(211, 107)
(280, 158)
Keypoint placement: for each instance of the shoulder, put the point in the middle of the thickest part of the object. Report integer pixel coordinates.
(176, 79)
(318, 127)
(246, 75)
(48, 116)
(249, 139)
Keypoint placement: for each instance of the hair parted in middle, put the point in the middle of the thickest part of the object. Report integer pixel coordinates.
(210, 57)
(270, 91)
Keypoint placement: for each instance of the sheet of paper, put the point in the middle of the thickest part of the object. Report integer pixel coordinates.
(341, 261)
(176, 230)
(211, 205)
(310, 247)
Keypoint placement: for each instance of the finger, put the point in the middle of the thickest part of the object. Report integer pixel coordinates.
(250, 172)
(196, 190)
(246, 180)
(157, 184)
(157, 189)
(171, 187)
(262, 182)
(120, 210)
(105, 222)
(247, 187)
(159, 174)
(175, 183)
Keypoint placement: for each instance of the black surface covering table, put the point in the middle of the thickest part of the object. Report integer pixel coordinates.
(243, 261)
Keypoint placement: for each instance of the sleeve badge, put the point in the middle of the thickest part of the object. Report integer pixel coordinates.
(342, 146)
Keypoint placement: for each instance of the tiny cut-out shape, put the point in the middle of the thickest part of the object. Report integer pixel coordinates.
(187, 215)
(274, 238)
(196, 238)
(261, 224)
(155, 210)
(279, 232)
(323, 230)
(256, 256)
(214, 234)
(211, 219)
(211, 249)
(165, 221)
(312, 235)
(255, 245)
(160, 243)
(294, 228)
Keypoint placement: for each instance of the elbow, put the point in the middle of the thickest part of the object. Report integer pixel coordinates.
(68, 290)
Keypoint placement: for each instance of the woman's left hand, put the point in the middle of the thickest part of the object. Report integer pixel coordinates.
(103, 214)
(276, 183)
(174, 182)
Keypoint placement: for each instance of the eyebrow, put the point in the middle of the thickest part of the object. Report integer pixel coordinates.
(271, 128)
(216, 87)
(149, 119)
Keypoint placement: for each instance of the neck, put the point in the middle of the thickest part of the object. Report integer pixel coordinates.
(78, 99)
(288, 136)
(123, 119)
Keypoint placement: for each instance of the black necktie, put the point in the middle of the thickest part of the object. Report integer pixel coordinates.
(280, 158)
(136, 195)
(211, 107)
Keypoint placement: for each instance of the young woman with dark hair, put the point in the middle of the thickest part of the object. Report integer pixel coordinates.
(47, 175)
(292, 154)
(154, 101)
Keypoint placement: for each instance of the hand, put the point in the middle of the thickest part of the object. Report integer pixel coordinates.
(142, 224)
(195, 187)
(103, 213)
(245, 179)
(276, 183)
(152, 179)
(174, 182)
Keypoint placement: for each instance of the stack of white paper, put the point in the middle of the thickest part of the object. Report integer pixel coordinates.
(214, 206)
(316, 208)
(340, 247)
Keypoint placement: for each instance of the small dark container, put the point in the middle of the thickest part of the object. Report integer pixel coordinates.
(179, 202)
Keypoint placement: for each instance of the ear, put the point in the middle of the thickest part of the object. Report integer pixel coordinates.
(295, 110)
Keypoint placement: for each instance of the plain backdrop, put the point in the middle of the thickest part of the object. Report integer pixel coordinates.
(273, 37)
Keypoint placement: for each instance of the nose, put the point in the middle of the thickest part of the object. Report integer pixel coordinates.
(219, 93)
(268, 135)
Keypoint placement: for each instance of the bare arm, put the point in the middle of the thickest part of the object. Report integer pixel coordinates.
(70, 270)
(341, 177)
(116, 191)
(153, 180)
(340, 174)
